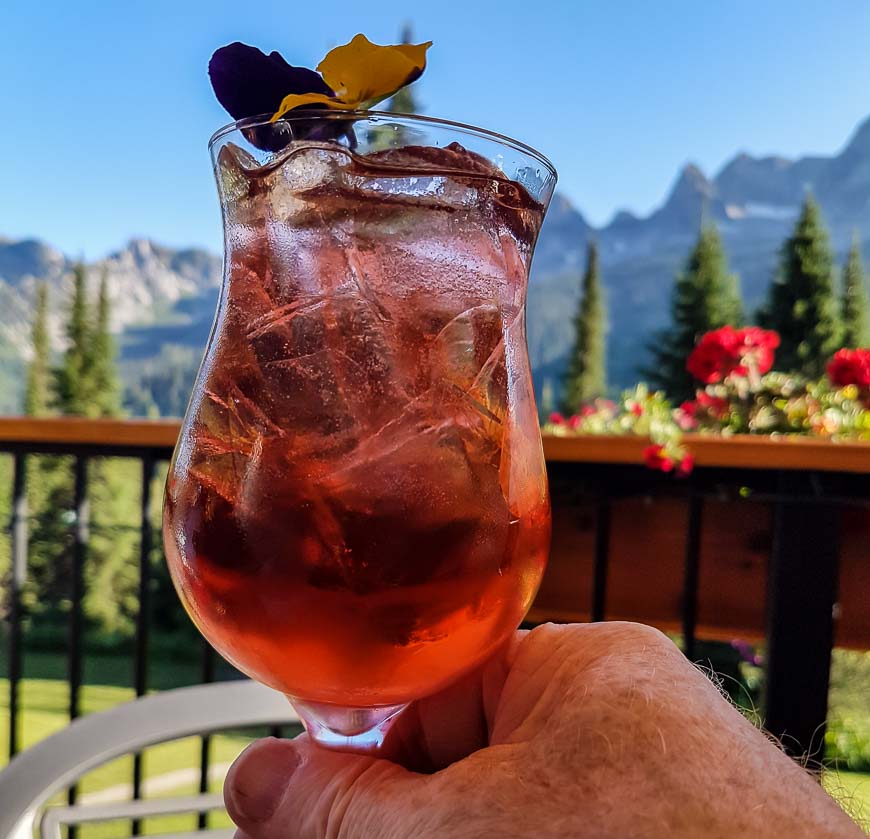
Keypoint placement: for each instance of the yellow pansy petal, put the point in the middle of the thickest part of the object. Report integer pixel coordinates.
(363, 72)
(416, 53)
(295, 100)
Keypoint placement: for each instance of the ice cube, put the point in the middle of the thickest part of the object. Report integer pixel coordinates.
(414, 507)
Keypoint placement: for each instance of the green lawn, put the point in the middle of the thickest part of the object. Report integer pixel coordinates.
(852, 790)
(44, 702)
(44, 711)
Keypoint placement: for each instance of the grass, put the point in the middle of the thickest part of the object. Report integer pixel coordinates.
(44, 698)
(852, 790)
(44, 701)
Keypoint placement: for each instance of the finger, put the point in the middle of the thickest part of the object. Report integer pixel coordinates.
(439, 730)
(293, 789)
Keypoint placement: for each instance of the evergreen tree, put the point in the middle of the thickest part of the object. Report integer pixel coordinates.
(705, 297)
(102, 372)
(74, 389)
(801, 305)
(548, 400)
(404, 101)
(854, 307)
(586, 377)
(37, 395)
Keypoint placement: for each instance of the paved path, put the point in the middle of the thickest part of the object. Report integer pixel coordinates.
(156, 786)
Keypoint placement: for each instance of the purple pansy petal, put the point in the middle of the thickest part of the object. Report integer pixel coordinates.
(247, 82)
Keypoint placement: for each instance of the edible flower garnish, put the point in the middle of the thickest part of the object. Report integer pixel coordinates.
(361, 74)
(248, 83)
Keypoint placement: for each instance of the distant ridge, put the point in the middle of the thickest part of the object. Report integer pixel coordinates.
(167, 297)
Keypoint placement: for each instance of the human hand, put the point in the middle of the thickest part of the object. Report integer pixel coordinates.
(598, 730)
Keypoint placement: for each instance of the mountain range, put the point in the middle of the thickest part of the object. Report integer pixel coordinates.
(164, 299)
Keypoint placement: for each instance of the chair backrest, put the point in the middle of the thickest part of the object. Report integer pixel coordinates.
(55, 763)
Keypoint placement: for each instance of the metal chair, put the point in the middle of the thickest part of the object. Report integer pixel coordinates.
(55, 763)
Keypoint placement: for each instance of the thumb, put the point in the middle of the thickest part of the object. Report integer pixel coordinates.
(292, 789)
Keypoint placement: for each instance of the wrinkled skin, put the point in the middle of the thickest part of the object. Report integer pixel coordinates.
(597, 730)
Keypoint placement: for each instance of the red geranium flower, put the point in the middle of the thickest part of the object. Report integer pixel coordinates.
(685, 466)
(654, 456)
(556, 418)
(757, 346)
(574, 422)
(850, 367)
(637, 409)
(728, 350)
(714, 405)
(714, 356)
(685, 416)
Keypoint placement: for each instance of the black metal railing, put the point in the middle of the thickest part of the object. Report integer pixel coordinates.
(802, 577)
(149, 455)
(802, 569)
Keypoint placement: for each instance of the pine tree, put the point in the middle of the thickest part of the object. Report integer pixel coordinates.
(37, 395)
(586, 377)
(854, 308)
(548, 400)
(101, 367)
(705, 297)
(74, 390)
(404, 101)
(801, 305)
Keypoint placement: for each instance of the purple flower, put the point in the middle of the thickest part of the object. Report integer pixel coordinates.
(249, 83)
(747, 653)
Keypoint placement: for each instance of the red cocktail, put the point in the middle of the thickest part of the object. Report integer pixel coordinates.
(357, 510)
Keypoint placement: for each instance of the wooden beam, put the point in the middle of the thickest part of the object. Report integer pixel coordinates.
(136, 433)
(741, 451)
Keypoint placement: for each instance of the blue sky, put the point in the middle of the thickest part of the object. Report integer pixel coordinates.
(107, 107)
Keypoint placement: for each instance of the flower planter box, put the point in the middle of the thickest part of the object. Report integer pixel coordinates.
(649, 526)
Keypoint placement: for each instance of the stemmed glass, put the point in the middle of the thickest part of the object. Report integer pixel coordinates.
(357, 509)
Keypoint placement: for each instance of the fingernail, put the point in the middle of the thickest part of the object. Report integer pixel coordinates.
(260, 778)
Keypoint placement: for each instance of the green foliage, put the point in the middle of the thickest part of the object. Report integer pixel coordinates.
(847, 741)
(705, 297)
(37, 395)
(112, 570)
(586, 378)
(12, 377)
(102, 369)
(640, 412)
(162, 385)
(782, 403)
(548, 399)
(74, 385)
(5, 541)
(86, 384)
(854, 304)
(404, 101)
(50, 501)
(802, 305)
(111, 565)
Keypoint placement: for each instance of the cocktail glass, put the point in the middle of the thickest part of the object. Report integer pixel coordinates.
(357, 511)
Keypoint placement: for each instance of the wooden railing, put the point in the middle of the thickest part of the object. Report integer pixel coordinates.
(737, 452)
(767, 540)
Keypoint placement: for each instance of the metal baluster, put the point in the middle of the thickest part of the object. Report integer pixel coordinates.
(802, 593)
(602, 556)
(80, 549)
(690, 578)
(140, 676)
(208, 671)
(19, 575)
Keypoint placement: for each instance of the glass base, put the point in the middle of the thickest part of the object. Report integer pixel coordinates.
(347, 729)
